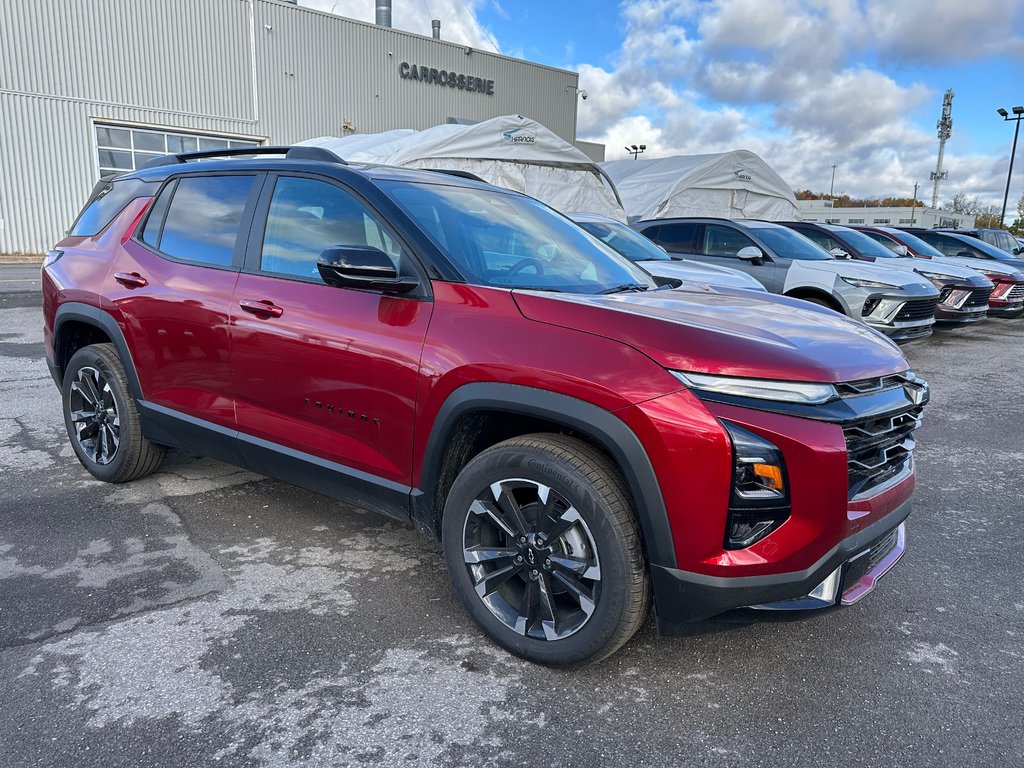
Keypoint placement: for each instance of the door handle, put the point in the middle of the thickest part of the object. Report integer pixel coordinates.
(261, 308)
(131, 279)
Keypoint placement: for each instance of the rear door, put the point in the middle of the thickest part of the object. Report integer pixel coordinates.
(171, 289)
(328, 372)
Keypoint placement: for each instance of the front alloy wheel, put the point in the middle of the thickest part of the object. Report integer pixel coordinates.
(532, 559)
(543, 549)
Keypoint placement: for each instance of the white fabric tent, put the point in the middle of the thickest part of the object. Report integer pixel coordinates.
(732, 185)
(511, 151)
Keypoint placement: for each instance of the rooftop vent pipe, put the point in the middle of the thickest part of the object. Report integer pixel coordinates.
(383, 8)
(435, 25)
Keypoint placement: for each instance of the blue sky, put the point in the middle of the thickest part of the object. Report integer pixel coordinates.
(804, 83)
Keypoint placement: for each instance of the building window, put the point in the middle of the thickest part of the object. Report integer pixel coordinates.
(120, 149)
(833, 221)
(906, 221)
(856, 221)
(882, 221)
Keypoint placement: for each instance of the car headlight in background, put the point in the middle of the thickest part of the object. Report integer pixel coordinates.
(933, 276)
(759, 389)
(859, 283)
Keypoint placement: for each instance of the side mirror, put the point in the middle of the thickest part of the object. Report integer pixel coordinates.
(839, 253)
(362, 266)
(901, 250)
(752, 254)
(1018, 251)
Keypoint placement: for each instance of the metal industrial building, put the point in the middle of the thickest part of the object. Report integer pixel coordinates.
(823, 210)
(91, 86)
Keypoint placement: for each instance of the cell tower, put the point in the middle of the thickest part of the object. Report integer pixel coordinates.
(945, 126)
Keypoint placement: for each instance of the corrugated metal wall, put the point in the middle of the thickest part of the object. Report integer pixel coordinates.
(248, 68)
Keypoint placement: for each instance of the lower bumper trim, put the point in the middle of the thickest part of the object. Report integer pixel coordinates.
(682, 596)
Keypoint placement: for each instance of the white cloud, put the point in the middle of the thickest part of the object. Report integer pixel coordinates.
(458, 19)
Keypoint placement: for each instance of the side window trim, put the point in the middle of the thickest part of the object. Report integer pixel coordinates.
(244, 224)
(258, 228)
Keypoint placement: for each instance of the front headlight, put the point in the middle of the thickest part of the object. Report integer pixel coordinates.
(759, 389)
(856, 281)
(932, 275)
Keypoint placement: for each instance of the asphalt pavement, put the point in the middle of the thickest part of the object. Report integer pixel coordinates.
(206, 616)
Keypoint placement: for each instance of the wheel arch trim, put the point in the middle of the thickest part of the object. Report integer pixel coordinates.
(601, 425)
(96, 317)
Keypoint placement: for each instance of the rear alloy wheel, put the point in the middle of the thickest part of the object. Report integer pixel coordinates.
(102, 420)
(544, 551)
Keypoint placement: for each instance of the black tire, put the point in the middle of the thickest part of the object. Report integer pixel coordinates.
(132, 456)
(605, 532)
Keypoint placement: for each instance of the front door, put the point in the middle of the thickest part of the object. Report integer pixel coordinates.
(329, 373)
(721, 244)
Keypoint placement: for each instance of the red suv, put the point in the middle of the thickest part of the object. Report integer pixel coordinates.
(579, 436)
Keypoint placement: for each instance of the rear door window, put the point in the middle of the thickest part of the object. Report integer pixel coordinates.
(677, 237)
(108, 198)
(204, 218)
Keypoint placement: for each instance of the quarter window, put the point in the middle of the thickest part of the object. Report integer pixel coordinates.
(204, 219)
(307, 217)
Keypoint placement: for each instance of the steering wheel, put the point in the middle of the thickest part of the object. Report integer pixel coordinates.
(529, 261)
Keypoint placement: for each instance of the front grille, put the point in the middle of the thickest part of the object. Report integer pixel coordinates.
(878, 449)
(978, 298)
(919, 309)
(879, 445)
(1016, 293)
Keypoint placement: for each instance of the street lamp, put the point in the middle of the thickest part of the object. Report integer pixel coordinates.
(1018, 114)
(635, 150)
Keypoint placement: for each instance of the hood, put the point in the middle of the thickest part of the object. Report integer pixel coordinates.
(732, 333)
(983, 266)
(867, 270)
(704, 273)
(910, 264)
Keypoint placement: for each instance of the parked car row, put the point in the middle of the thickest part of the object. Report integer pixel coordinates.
(584, 436)
(869, 274)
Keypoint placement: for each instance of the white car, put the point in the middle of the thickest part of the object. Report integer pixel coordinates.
(655, 260)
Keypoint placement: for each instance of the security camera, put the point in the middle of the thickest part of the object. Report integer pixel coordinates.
(583, 95)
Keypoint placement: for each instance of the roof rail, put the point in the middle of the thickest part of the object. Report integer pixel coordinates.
(290, 153)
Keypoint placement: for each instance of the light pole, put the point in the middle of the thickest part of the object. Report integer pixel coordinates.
(913, 205)
(832, 186)
(1018, 113)
(635, 150)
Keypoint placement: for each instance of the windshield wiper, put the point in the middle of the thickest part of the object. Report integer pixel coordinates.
(624, 288)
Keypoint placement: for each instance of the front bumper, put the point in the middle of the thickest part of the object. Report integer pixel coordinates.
(856, 563)
(903, 316)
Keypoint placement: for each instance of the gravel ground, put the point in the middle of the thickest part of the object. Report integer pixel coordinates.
(207, 616)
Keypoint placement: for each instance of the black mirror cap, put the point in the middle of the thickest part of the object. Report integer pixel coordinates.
(362, 266)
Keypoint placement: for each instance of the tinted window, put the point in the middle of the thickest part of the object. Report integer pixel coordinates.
(820, 238)
(502, 239)
(1002, 240)
(107, 200)
(307, 217)
(676, 237)
(204, 218)
(952, 246)
(788, 244)
(155, 220)
(865, 245)
(889, 243)
(724, 241)
(626, 241)
(919, 246)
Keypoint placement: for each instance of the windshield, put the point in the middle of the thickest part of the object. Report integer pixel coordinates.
(510, 241)
(791, 245)
(865, 245)
(967, 243)
(919, 246)
(626, 241)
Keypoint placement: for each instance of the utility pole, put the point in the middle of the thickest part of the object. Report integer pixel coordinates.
(945, 126)
(1018, 115)
(832, 186)
(913, 205)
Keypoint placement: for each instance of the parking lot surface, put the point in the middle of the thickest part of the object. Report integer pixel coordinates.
(207, 616)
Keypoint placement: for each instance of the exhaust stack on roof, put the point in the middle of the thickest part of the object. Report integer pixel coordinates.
(435, 25)
(383, 13)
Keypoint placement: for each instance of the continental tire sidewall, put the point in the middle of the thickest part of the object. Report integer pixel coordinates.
(601, 629)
